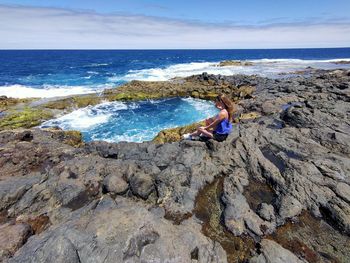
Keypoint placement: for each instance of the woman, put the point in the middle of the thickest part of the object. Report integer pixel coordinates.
(217, 127)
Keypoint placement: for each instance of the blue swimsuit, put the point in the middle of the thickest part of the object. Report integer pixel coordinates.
(223, 128)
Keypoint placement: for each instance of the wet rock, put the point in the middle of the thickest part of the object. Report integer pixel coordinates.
(234, 63)
(238, 216)
(313, 240)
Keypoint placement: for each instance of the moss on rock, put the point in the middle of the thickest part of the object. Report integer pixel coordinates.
(235, 63)
(249, 116)
(73, 138)
(73, 102)
(6, 103)
(174, 134)
(132, 96)
(246, 92)
(26, 118)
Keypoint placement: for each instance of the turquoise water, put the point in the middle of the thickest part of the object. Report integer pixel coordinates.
(134, 121)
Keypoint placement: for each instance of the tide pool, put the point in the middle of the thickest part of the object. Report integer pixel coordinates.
(133, 121)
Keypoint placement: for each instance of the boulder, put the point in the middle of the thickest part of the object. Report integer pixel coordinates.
(115, 184)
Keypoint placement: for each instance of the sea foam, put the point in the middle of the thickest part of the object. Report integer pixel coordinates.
(86, 118)
(48, 91)
(262, 67)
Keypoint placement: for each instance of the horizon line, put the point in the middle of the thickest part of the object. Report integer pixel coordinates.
(152, 49)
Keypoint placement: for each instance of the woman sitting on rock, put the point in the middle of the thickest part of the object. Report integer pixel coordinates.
(217, 127)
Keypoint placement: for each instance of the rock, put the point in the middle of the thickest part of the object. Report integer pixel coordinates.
(274, 253)
(276, 164)
(143, 237)
(290, 207)
(12, 237)
(234, 63)
(115, 184)
(28, 117)
(343, 190)
(239, 218)
(266, 212)
(141, 185)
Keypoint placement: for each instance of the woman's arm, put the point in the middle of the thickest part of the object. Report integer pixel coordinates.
(222, 115)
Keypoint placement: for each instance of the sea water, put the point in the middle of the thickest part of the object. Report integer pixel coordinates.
(53, 73)
(133, 121)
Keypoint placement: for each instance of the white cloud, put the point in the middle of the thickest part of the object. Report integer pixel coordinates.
(50, 28)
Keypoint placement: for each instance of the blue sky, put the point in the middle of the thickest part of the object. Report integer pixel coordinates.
(174, 24)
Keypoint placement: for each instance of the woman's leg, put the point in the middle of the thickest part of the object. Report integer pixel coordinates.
(196, 133)
(205, 132)
(202, 131)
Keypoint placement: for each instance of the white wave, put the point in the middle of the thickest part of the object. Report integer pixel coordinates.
(94, 65)
(139, 137)
(298, 61)
(48, 91)
(81, 119)
(263, 67)
(86, 118)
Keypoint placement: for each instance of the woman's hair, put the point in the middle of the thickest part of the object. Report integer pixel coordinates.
(228, 104)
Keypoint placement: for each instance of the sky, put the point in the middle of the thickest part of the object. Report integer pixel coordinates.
(190, 24)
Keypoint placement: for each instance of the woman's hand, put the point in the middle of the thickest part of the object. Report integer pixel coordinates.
(202, 128)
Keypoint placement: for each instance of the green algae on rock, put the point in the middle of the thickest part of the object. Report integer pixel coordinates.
(174, 134)
(313, 239)
(209, 209)
(6, 103)
(203, 86)
(28, 117)
(73, 102)
(235, 63)
(72, 138)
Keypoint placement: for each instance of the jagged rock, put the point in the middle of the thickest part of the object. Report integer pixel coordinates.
(300, 154)
(238, 216)
(274, 253)
(343, 190)
(98, 236)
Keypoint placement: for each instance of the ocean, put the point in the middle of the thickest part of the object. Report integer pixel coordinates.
(52, 73)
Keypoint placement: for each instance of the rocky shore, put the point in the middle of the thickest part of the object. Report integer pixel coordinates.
(277, 190)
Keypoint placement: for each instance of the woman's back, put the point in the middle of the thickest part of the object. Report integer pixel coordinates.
(224, 126)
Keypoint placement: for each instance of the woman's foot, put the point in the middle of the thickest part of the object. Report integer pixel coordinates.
(189, 136)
